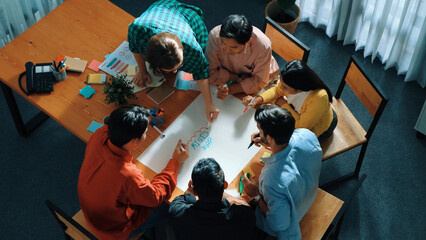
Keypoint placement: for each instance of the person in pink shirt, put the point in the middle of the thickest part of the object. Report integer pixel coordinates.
(240, 57)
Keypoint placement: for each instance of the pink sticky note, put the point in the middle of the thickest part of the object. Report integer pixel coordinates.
(94, 65)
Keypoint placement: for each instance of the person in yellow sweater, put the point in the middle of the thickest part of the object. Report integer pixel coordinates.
(302, 92)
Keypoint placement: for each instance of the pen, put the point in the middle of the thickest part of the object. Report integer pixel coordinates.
(227, 84)
(252, 142)
(208, 122)
(241, 185)
(159, 131)
(251, 101)
(64, 68)
(182, 148)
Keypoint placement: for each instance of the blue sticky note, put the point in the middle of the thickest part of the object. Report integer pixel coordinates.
(182, 84)
(94, 126)
(106, 56)
(87, 91)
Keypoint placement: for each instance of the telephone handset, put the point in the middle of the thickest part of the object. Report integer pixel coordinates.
(39, 78)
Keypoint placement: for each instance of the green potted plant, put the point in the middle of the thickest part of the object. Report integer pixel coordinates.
(118, 90)
(284, 12)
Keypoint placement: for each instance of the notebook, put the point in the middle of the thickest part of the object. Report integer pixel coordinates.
(161, 93)
(75, 64)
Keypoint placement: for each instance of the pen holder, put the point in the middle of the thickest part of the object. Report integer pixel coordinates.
(157, 116)
(60, 76)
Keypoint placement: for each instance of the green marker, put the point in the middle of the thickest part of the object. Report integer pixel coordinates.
(241, 186)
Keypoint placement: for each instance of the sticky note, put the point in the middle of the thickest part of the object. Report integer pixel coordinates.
(94, 126)
(106, 56)
(188, 76)
(131, 71)
(248, 169)
(87, 91)
(94, 65)
(96, 78)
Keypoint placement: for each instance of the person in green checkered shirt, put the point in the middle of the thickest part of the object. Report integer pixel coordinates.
(172, 36)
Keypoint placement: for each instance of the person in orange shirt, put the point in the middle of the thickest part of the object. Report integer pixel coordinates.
(115, 197)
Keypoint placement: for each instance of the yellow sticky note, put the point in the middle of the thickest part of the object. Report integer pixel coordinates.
(131, 71)
(96, 78)
(266, 154)
(247, 169)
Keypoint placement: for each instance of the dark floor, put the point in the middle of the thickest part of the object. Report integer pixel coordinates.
(389, 205)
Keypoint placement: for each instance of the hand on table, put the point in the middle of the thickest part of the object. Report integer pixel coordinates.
(211, 112)
(141, 78)
(280, 101)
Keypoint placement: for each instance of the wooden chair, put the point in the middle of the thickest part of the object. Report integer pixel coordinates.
(75, 227)
(324, 217)
(284, 44)
(349, 133)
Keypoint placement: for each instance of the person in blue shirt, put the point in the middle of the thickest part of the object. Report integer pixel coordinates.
(288, 182)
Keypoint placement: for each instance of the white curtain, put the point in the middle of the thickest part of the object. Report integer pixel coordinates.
(392, 30)
(16, 16)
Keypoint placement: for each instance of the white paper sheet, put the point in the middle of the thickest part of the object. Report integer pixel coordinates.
(226, 140)
(118, 61)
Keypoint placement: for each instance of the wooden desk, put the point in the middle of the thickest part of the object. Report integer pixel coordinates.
(88, 30)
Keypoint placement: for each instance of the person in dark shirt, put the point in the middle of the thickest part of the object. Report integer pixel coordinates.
(215, 215)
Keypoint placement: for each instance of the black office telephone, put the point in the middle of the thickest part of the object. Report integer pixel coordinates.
(39, 78)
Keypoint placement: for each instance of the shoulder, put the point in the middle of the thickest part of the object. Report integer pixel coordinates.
(260, 39)
(319, 93)
(243, 212)
(304, 138)
(181, 204)
(318, 97)
(215, 31)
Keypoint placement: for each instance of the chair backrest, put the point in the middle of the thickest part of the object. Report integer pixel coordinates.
(367, 91)
(71, 228)
(284, 44)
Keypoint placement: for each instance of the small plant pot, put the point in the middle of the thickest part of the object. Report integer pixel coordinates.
(287, 19)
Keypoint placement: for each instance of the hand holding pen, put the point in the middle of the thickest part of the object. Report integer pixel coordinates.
(251, 101)
(255, 139)
(180, 153)
(223, 91)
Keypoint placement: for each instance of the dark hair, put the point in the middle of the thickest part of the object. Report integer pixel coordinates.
(300, 76)
(164, 50)
(276, 122)
(126, 123)
(208, 180)
(237, 27)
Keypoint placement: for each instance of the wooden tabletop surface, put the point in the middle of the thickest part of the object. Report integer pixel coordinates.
(87, 30)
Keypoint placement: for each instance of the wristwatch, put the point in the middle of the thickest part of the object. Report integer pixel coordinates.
(255, 201)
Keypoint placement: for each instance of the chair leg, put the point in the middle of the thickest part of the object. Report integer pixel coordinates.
(360, 158)
(338, 180)
(337, 230)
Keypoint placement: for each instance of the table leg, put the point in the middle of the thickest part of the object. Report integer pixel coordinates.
(24, 129)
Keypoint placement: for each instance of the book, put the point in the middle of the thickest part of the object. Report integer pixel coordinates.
(161, 93)
(75, 64)
(96, 78)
